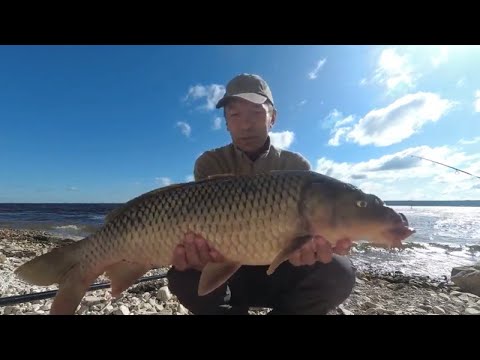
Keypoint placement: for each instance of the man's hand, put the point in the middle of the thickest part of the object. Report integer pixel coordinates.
(318, 249)
(194, 253)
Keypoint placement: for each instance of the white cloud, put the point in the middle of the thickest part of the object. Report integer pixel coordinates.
(212, 93)
(282, 139)
(72, 188)
(217, 123)
(469, 142)
(184, 128)
(400, 176)
(303, 102)
(314, 73)
(440, 58)
(337, 135)
(395, 122)
(460, 82)
(336, 121)
(394, 70)
(163, 181)
(476, 103)
(189, 178)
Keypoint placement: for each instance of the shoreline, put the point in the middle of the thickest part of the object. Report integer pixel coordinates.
(375, 292)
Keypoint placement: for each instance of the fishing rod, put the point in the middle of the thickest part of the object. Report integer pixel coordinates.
(17, 299)
(451, 167)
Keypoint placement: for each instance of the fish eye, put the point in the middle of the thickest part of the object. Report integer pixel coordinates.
(361, 203)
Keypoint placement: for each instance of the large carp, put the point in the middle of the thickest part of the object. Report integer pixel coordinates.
(251, 220)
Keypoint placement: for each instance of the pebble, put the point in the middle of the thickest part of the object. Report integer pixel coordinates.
(345, 311)
(164, 294)
(181, 310)
(438, 310)
(122, 310)
(92, 300)
(472, 311)
(444, 296)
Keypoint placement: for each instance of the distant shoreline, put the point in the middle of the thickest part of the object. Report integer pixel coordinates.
(471, 203)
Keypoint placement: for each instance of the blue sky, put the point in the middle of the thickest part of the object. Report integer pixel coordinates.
(107, 123)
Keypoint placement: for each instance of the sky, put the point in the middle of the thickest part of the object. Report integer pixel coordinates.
(107, 123)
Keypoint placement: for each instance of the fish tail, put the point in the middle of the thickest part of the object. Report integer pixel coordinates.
(61, 266)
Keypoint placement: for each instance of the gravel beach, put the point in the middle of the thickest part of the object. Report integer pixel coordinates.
(374, 293)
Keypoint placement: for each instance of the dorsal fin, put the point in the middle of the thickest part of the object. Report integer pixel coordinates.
(216, 176)
(118, 211)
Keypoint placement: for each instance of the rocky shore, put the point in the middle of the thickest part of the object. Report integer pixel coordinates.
(374, 293)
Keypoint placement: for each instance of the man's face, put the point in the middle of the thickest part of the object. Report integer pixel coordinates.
(248, 123)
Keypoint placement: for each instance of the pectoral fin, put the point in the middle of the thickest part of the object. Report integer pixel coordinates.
(214, 275)
(293, 246)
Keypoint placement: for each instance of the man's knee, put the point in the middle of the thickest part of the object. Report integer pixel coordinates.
(341, 274)
(321, 288)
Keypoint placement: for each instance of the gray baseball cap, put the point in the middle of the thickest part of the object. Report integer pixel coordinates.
(250, 87)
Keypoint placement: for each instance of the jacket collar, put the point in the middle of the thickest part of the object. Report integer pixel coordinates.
(265, 151)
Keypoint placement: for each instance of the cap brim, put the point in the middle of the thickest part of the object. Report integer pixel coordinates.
(252, 97)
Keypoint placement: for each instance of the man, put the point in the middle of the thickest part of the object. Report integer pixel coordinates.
(315, 279)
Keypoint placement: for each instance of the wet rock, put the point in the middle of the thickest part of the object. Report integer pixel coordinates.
(467, 278)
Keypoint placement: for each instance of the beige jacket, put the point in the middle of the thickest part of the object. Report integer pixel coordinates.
(231, 160)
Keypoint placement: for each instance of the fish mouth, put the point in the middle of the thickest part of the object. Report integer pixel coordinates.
(399, 231)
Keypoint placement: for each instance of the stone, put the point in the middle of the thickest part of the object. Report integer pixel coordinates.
(108, 309)
(122, 310)
(458, 269)
(444, 296)
(92, 300)
(164, 294)
(10, 310)
(438, 310)
(345, 311)
(181, 310)
(472, 311)
(152, 301)
(165, 312)
(425, 307)
(468, 280)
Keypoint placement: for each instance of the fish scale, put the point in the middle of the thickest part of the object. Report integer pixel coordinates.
(187, 206)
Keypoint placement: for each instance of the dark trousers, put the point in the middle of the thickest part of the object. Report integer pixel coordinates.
(291, 289)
